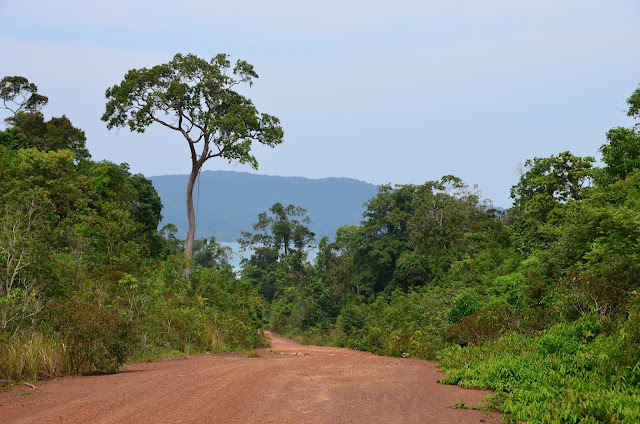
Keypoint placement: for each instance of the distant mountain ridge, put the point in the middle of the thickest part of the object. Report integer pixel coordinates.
(230, 201)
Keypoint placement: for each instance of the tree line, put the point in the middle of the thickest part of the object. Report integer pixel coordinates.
(87, 280)
(538, 302)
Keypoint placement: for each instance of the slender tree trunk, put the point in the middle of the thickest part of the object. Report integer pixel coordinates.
(191, 216)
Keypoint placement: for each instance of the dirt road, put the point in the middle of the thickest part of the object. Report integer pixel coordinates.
(288, 383)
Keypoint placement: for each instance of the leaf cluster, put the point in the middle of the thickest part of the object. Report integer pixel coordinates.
(196, 98)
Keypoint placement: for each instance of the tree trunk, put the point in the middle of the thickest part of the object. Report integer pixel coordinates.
(191, 216)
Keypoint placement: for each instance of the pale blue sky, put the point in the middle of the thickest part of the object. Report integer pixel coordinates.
(386, 92)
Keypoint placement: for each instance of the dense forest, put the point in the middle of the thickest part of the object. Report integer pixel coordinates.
(538, 302)
(87, 281)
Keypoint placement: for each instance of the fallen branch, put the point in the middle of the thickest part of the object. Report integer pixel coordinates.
(29, 384)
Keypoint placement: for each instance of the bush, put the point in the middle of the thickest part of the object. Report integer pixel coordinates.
(96, 336)
(233, 331)
(572, 372)
(464, 305)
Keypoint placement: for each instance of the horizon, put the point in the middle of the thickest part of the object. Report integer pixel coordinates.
(186, 175)
(397, 93)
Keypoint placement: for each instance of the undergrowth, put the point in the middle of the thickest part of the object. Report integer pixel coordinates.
(33, 357)
(581, 372)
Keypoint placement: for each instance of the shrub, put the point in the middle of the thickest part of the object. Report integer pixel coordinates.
(464, 305)
(96, 336)
(572, 372)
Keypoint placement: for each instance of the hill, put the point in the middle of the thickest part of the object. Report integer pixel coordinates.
(230, 202)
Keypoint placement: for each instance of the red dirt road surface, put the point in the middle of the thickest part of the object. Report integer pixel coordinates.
(288, 383)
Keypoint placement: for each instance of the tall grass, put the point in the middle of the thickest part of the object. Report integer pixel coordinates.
(33, 356)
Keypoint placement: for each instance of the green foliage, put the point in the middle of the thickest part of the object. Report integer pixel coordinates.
(447, 215)
(538, 303)
(565, 373)
(382, 237)
(210, 254)
(411, 270)
(287, 311)
(234, 312)
(96, 335)
(199, 92)
(86, 280)
(408, 325)
(260, 271)
(278, 268)
(196, 98)
(599, 248)
(25, 224)
(510, 287)
(283, 229)
(549, 183)
(28, 127)
(352, 318)
(621, 153)
(464, 305)
(22, 94)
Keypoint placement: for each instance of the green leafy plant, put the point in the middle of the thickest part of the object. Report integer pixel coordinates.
(96, 335)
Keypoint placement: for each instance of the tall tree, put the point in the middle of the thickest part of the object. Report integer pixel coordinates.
(549, 183)
(28, 127)
(383, 236)
(447, 213)
(18, 95)
(196, 98)
(621, 153)
(280, 234)
(209, 253)
(282, 230)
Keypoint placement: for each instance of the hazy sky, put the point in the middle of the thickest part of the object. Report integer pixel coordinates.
(387, 92)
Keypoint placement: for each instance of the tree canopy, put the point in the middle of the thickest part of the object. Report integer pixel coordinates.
(27, 125)
(283, 229)
(551, 182)
(196, 98)
(621, 153)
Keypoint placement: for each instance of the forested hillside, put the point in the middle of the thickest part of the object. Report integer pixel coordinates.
(228, 202)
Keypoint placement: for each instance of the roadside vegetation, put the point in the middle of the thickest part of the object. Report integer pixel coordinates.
(538, 302)
(87, 281)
